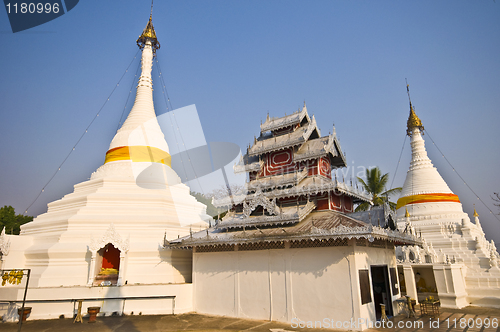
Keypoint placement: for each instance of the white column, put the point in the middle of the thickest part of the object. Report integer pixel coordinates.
(121, 270)
(92, 269)
(411, 285)
(450, 284)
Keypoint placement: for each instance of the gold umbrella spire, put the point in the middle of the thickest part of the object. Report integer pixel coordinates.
(413, 120)
(149, 34)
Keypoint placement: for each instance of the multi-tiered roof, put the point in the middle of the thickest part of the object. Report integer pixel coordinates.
(290, 194)
(289, 170)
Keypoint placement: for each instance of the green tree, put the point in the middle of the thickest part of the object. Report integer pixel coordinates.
(375, 184)
(12, 221)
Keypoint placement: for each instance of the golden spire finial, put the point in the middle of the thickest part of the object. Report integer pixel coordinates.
(413, 120)
(149, 34)
(407, 214)
(475, 213)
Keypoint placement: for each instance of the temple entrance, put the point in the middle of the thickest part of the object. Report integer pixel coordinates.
(381, 290)
(425, 282)
(110, 265)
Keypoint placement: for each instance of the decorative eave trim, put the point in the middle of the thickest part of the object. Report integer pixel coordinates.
(279, 219)
(294, 118)
(340, 232)
(110, 236)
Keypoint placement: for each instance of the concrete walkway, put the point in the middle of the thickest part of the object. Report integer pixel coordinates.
(449, 320)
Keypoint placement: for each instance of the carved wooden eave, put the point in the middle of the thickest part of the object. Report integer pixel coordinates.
(284, 216)
(282, 122)
(110, 236)
(260, 200)
(242, 167)
(290, 140)
(277, 181)
(331, 225)
(4, 243)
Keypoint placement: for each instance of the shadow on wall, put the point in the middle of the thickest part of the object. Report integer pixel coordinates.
(181, 262)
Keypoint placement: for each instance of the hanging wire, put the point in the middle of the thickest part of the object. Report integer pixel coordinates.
(128, 97)
(461, 178)
(81, 136)
(399, 161)
(165, 95)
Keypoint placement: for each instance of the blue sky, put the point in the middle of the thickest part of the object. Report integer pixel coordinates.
(237, 61)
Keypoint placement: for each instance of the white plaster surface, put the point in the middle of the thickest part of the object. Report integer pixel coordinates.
(309, 284)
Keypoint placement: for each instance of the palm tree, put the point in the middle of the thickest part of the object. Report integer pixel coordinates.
(375, 184)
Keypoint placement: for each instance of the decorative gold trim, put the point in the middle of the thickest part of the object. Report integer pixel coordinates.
(139, 153)
(413, 122)
(426, 198)
(148, 34)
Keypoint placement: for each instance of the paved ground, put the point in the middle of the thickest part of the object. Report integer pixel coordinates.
(449, 320)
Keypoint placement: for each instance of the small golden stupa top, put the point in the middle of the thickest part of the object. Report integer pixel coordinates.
(475, 213)
(407, 214)
(149, 34)
(413, 120)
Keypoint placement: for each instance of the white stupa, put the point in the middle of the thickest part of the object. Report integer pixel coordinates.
(111, 229)
(428, 207)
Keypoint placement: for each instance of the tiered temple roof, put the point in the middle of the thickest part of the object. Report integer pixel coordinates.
(319, 229)
(290, 193)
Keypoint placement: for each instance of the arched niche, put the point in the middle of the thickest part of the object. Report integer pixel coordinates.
(108, 258)
(107, 267)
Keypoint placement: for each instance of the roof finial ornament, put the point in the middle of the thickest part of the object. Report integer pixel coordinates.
(149, 34)
(413, 120)
(475, 212)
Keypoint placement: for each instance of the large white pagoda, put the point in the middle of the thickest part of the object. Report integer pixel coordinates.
(456, 262)
(105, 239)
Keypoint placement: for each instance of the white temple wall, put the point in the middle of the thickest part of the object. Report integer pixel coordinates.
(288, 285)
(67, 306)
(69, 264)
(15, 259)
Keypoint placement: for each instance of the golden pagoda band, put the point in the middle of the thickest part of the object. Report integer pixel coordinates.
(139, 153)
(426, 198)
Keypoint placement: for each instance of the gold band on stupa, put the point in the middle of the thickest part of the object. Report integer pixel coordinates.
(426, 198)
(139, 153)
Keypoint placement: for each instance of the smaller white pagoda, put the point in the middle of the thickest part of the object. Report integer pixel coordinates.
(456, 263)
